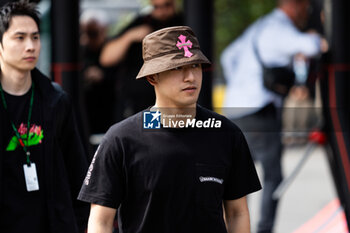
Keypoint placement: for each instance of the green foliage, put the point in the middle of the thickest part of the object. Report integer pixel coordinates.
(232, 17)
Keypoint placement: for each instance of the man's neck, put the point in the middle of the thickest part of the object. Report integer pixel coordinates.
(289, 11)
(173, 110)
(175, 114)
(15, 82)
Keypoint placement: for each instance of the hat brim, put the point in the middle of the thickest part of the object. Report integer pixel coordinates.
(171, 61)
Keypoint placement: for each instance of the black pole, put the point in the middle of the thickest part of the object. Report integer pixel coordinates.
(199, 16)
(336, 95)
(65, 55)
(65, 45)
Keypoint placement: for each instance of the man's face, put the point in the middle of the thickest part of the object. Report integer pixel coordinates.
(163, 9)
(302, 11)
(92, 34)
(180, 87)
(20, 47)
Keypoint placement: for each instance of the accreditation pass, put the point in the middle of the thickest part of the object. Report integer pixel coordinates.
(31, 177)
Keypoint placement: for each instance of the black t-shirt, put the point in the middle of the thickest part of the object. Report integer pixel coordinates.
(170, 180)
(20, 210)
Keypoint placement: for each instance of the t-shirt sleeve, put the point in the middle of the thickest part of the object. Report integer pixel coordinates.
(104, 183)
(243, 178)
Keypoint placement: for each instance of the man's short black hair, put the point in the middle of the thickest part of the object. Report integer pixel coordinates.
(21, 8)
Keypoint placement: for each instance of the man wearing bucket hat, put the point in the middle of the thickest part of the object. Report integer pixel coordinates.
(175, 166)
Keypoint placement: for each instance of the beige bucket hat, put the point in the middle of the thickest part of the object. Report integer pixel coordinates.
(169, 48)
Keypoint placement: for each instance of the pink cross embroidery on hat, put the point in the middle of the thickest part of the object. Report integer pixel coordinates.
(185, 45)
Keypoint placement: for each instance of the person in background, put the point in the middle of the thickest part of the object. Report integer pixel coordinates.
(98, 81)
(254, 108)
(171, 178)
(301, 108)
(42, 160)
(125, 49)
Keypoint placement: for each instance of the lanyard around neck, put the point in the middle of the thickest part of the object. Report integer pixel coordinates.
(24, 146)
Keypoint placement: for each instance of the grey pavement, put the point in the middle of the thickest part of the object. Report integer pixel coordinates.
(312, 189)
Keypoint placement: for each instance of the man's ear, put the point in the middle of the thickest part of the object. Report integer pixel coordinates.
(1, 48)
(152, 79)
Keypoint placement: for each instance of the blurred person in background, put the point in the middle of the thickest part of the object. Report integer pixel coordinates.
(42, 160)
(98, 82)
(254, 108)
(125, 49)
(301, 111)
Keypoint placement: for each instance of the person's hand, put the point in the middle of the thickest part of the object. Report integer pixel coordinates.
(324, 45)
(93, 74)
(137, 34)
(299, 93)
